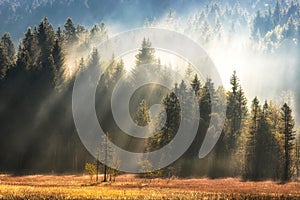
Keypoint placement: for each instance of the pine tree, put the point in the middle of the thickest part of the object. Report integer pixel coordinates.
(207, 98)
(196, 85)
(28, 49)
(58, 55)
(94, 61)
(98, 33)
(118, 72)
(218, 168)
(58, 59)
(4, 62)
(70, 31)
(59, 35)
(289, 137)
(35, 47)
(95, 30)
(267, 147)
(172, 115)
(8, 45)
(45, 42)
(145, 54)
(142, 115)
(236, 112)
(28, 41)
(251, 148)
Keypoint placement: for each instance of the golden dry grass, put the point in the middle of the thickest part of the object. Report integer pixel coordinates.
(129, 187)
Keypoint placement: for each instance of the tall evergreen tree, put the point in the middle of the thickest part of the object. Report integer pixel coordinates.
(28, 47)
(207, 98)
(70, 31)
(4, 62)
(145, 54)
(196, 85)
(142, 115)
(236, 112)
(118, 72)
(59, 35)
(289, 137)
(98, 33)
(58, 55)
(251, 149)
(8, 45)
(58, 59)
(267, 151)
(45, 42)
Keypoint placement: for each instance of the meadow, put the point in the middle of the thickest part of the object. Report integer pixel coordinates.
(131, 187)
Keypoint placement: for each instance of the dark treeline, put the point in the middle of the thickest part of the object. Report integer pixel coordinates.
(37, 128)
(37, 132)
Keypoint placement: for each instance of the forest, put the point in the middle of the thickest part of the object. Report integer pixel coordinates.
(259, 140)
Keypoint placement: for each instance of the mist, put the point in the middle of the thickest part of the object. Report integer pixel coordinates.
(264, 71)
(267, 67)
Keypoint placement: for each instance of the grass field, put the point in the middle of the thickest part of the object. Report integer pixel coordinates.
(130, 187)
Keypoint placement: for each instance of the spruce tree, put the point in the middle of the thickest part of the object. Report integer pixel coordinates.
(172, 115)
(70, 31)
(59, 35)
(118, 71)
(289, 139)
(45, 42)
(145, 57)
(196, 85)
(251, 148)
(8, 45)
(23, 58)
(236, 112)
(142, 115)
(4, 62)
(207, 96)
(58, 59)
(29, 48)
(145, 54)
(268, 147)
(58, 55)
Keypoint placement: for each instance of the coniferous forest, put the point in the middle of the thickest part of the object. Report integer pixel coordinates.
(259, 140)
